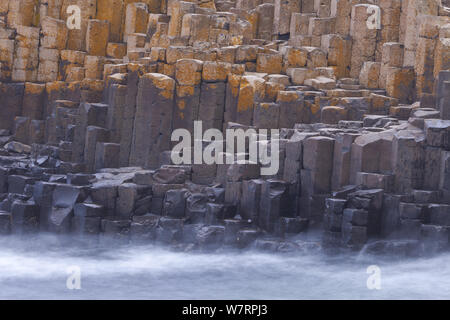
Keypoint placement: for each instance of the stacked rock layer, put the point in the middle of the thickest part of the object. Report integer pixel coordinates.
(91, 91)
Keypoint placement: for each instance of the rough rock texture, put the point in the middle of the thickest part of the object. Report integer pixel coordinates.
(363, 106)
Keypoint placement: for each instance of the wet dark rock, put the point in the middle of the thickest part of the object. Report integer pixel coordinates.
(356, 217)
(58, 219)
(4, 140)
(143, 205)
(390, 217)
(57, 178)
(3, 179)
(62, 210)
(144, 177)
(24, 217)
(412, 211)
(372, 201)
(169, 230)
(65, 196)
(353, 236)
(229, 211)
(232, 227)
(86, 226)
(143, 228)
(345, 191)
(159, 189)
(190, 232)
(410, 229)
(397, 248)
(426, 196)
(157, 204)
(28, 190)
(309, 247)
(275, 203)
(246, 237)
(210, 237)
(17, 147)
(290, 226)
(126, 199)
(439, 214)
(80, 179)
(196, 207)
(332, 222)
(287, 246)
(266, 245)
(89, 210)
(214, 213)
(5, 222)
(242, 171)
(115, 231)
(366, 199)
(334, 205)
(105, 194)
(43, 196)
(4, 132)
(169, 176)
(331, 238)
(17, 183)
(175, 203)
(434, 238)
(8, 200)
(251, 199)
(215, 194)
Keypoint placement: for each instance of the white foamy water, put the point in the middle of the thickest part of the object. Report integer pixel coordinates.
(37, 269)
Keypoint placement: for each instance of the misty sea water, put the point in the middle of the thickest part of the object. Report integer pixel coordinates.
(39, 269)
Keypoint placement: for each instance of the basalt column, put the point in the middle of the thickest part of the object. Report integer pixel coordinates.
(153, 119)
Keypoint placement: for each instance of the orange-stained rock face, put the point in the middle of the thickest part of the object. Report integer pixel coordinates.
(215, 71)
(188, 71)
(400, 84)
(165, 84)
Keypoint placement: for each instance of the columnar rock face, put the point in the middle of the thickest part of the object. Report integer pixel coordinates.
(152, 124)
(364, 44)
(91, 91)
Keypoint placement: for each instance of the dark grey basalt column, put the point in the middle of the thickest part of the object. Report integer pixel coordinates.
(153, 120)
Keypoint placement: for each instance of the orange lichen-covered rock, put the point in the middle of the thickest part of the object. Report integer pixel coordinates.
(215, 71)
(400, 84)
(333, 114)
(188, 71)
